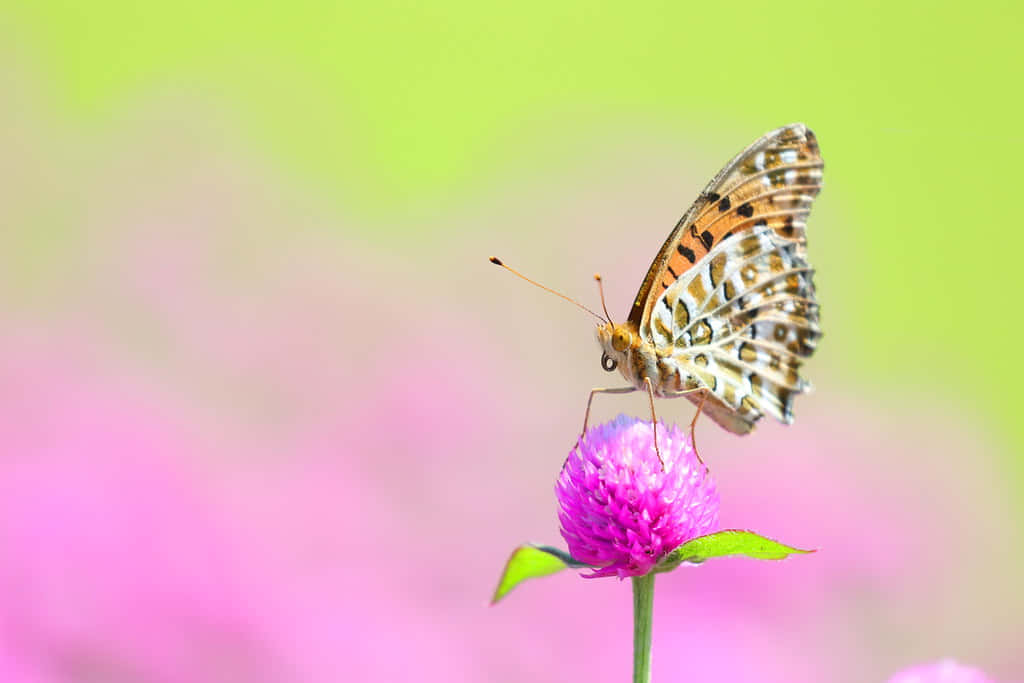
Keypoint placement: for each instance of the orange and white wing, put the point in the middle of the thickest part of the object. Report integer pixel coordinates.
(740, 323)
(772, 182)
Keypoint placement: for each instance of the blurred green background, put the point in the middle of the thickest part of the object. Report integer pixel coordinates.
(401, 110)
(236, 201)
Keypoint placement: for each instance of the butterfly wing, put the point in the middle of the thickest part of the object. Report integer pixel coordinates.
(740, 323)
(771, 183)
(740, 316)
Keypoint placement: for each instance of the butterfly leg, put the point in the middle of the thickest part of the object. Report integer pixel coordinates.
(590, 399)
(654, 420)
(693, 424)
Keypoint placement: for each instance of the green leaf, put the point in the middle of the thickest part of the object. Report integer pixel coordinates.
(531, 562)
(729, 542)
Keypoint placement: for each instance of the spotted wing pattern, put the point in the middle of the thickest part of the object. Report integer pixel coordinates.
(771, 183)
(739, 323)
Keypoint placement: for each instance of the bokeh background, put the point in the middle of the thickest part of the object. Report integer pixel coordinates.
(267, 414)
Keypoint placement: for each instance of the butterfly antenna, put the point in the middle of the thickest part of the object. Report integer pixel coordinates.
(600, 289)
(498, 262)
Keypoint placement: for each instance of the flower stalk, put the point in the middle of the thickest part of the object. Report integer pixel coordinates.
(643, 608)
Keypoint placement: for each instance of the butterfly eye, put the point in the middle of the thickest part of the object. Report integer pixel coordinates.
(620, 340)
(608, 363)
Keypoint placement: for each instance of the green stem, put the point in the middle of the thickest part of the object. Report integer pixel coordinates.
(643, 606)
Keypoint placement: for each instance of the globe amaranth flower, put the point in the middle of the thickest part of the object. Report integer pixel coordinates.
(620, 510)
(945, 671)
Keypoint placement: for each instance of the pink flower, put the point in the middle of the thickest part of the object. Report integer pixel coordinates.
(620, 510)
(945, 671)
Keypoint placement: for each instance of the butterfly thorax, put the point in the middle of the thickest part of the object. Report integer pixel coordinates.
(634, 357)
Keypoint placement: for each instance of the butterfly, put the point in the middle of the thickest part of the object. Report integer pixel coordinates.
(727, 312)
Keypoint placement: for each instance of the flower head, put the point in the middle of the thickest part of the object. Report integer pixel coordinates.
(620, 510)
(945, 671)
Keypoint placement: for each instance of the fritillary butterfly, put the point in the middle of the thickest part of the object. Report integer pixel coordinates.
(726, 313)
(728, 304)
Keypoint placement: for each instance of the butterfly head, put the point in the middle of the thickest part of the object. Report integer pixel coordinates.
(616, 342)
